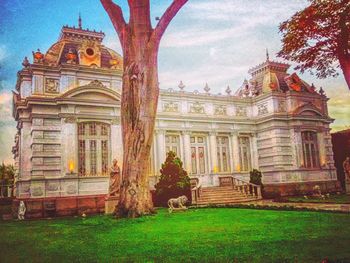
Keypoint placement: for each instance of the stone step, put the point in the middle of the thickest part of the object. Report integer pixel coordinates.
(221, 202)
(223, 199)
(221, 194)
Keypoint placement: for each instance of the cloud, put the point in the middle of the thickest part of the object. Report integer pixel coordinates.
(7, 127)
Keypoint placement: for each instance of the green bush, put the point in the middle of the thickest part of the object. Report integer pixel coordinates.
(173, 181)
(255, 178)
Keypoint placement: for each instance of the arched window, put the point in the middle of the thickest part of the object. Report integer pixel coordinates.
(93, 148)
(223, 154)
(310, 149)
(244, 153)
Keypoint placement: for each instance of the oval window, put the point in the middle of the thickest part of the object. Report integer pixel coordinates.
(89, 51)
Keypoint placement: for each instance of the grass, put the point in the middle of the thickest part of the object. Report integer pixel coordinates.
(198, 235)
(333, 199)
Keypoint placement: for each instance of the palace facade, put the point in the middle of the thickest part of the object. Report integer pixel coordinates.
(67, 108)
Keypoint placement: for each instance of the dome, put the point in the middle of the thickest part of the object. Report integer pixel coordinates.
(77, 46)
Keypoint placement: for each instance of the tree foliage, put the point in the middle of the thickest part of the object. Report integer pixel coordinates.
(173, 181)
(7, 172)
(317, 38)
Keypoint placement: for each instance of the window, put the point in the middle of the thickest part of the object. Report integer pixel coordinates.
(310, 149)
(198, 155)
(223, 154)
(244, 153)
(172, 143)
(93, 148)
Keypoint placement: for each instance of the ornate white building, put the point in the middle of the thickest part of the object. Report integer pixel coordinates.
(67, 106)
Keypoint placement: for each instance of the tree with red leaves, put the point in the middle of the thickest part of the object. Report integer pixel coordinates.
(318, 38)
(140, 44)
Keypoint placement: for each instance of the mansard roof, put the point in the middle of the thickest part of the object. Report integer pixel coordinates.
(80, 47)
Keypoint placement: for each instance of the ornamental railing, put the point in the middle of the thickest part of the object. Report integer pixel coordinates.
(196, 190)
(246, 188)
(6, 190)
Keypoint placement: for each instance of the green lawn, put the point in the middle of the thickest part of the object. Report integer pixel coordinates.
(333, 199)
(200, 235)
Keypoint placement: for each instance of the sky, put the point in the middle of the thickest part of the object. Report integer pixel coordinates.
(209, 41)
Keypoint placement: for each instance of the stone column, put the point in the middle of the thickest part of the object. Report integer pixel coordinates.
(235, 152)
(69, 141)
(254, 151)
(161, 154)
(321, 149)
(213, 160)
(298, 149)
(187, 150)
(116, 143)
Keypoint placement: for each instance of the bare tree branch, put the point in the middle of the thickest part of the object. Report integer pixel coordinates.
(168, 15)
(115, 13)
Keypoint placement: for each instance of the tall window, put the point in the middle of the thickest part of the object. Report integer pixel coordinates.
(223, 154)
(93, 148)
(310, 149)
(198, 155)
(172, 143)
(244, 153)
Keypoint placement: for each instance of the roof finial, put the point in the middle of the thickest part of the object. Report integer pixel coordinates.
(79, 22)
(267, 55)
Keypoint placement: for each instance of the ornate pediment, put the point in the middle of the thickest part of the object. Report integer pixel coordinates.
(94, 91)
(308, 109)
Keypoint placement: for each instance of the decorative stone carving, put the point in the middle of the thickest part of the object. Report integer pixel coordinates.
(170, 107)
(21, 210)
(197, 108)
(228, 90)
(71, 57)
(281, 106)
(176, 204)
(220, 110)
(114, 180)
(38, 57)
(262, 109)
(206, 88)
(37, 191)
(95, 84)
(70, 119)
(71, 189)
(181, 86)
(51, 85)
(52, 187)
(241, 111)
(115, 121)
(25, 62)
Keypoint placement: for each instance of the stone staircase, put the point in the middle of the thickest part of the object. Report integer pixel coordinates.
(221, 195)
(230, 191)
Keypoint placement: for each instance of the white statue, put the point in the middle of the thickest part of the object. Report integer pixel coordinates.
(177, 203)
(21, 210)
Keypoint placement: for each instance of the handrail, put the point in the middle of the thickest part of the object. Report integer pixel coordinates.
(246, 188)
(196, 192)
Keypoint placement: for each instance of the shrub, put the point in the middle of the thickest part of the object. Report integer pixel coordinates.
(173, 181)
(255, 178)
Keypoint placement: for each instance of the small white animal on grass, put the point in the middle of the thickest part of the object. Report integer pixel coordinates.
(177, 203)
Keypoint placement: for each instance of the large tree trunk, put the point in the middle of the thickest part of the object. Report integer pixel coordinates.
(343, 43)
(140, 43)
(138, 111)
(345, 66)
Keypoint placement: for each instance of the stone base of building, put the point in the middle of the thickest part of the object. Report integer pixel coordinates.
(300, 188)
(347, 187)
(61, 206)
(110, 204)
